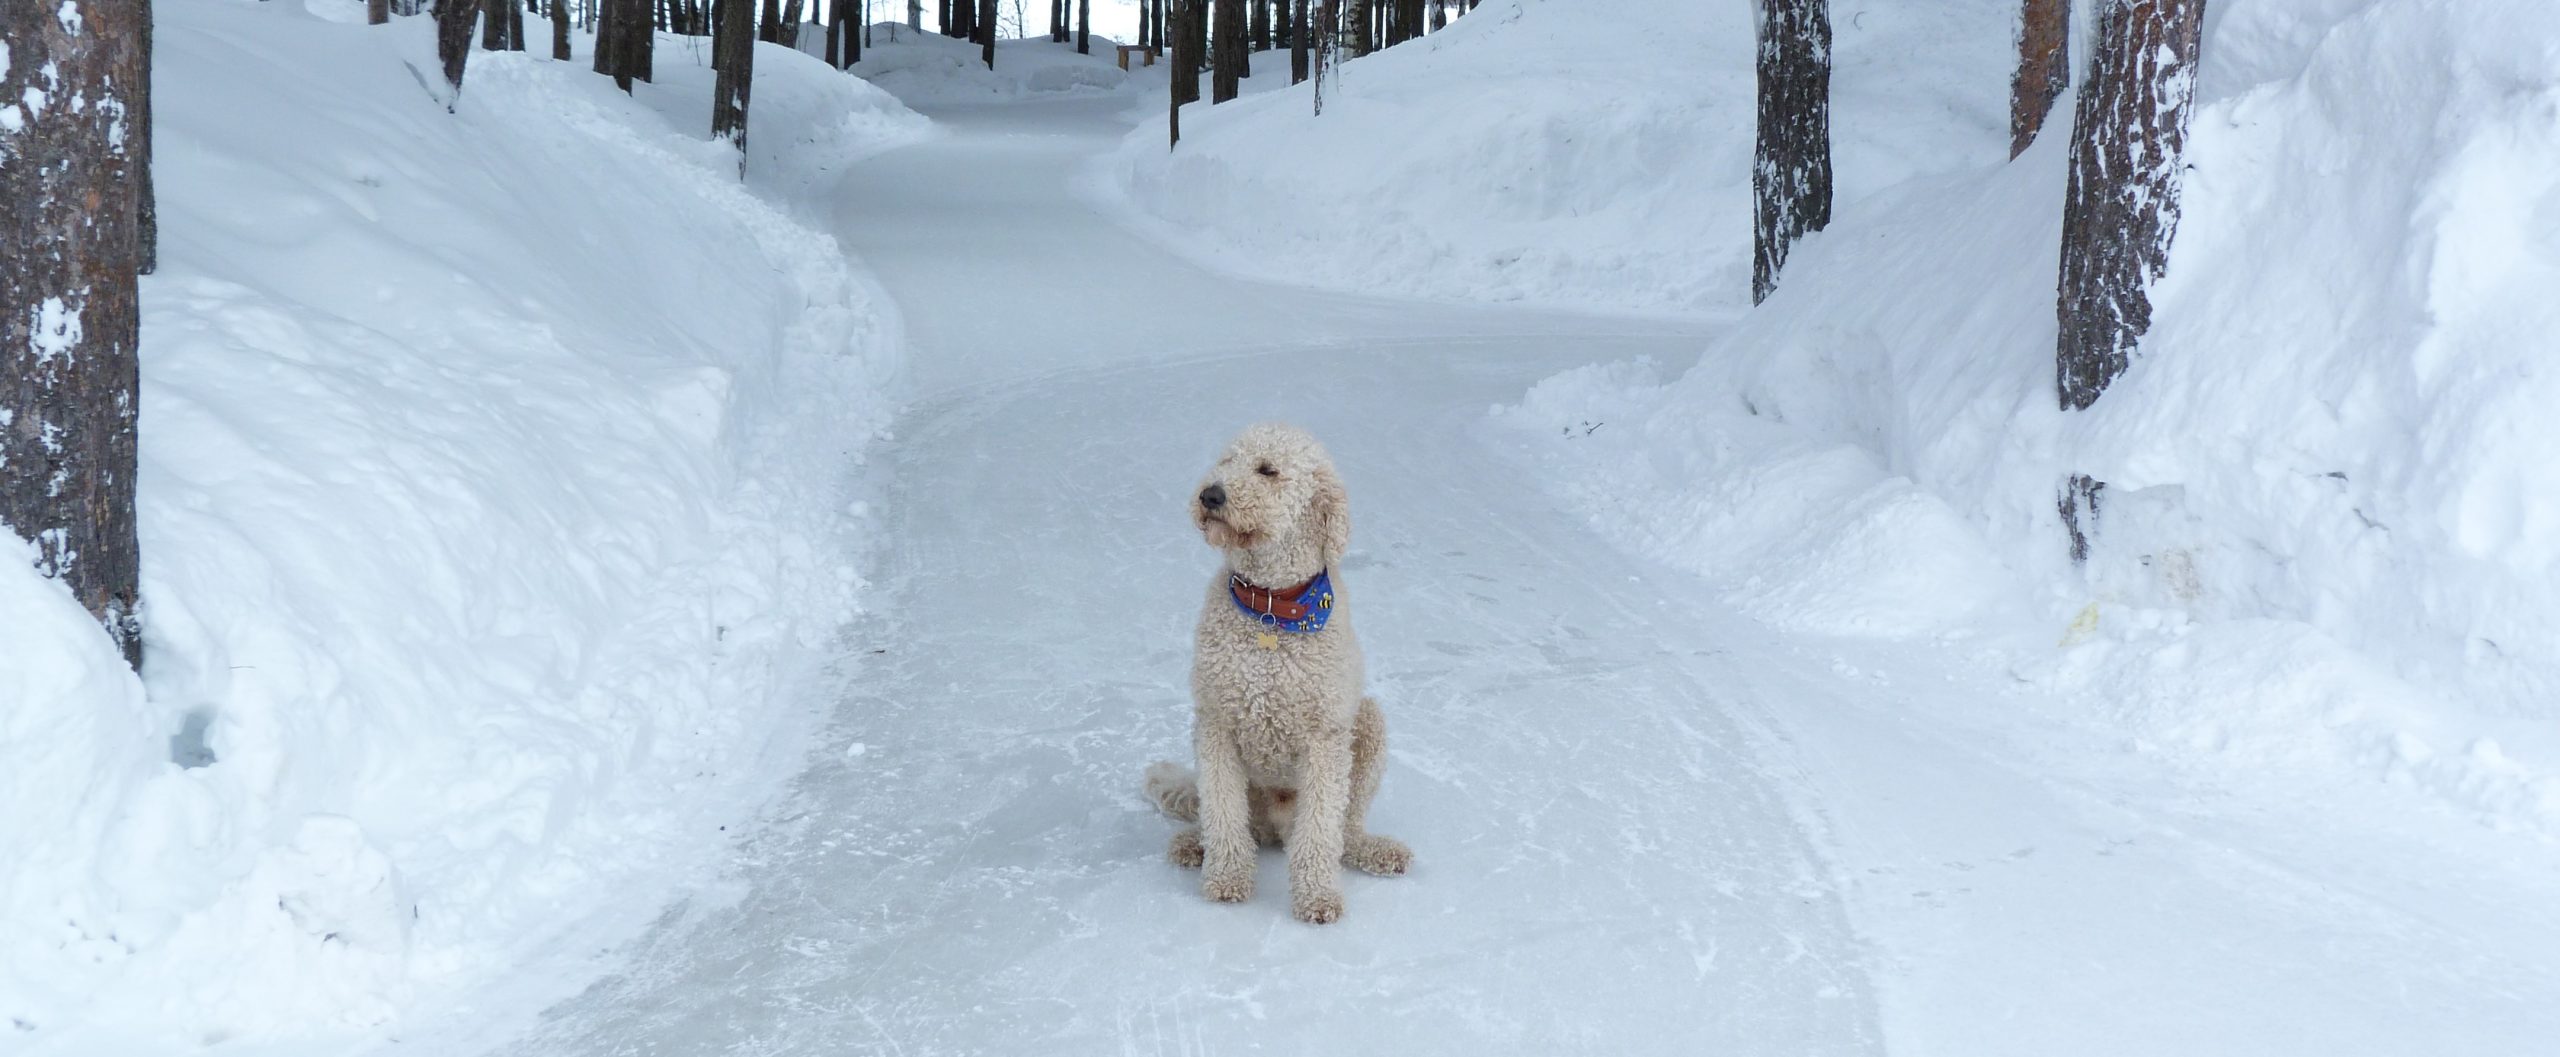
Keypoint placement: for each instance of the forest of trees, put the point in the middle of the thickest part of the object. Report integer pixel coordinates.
(79, 222)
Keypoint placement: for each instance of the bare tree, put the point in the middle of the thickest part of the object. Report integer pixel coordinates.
(734, 45)
(1791, 163)
(71, 252)
(987, 32)
(2121, 211)
(453, 41)
(2044, 68)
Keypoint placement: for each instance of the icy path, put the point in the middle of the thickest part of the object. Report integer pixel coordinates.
(1616, 790)
(1603, 865)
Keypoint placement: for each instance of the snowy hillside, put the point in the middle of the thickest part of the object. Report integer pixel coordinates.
(1553, 157)
(493, 478)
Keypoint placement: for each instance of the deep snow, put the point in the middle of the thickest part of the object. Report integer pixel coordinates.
(493, 504)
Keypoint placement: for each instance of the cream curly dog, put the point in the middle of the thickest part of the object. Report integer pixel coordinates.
(1289, 748)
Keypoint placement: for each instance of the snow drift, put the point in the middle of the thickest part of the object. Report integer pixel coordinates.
(495, 470)
(2325, 549)
(1560, 153)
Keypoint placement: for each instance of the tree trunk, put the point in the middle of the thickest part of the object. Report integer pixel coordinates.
(377, 12)
(1259, 29)
(2121, 212)
(1791, 164)
(2044, 68)
(1186, 84)
(453, 41)
(855, 33)
(515, 24)
(734, 25)
(560, 30)
(1226, 51)
(986, 29)
(1298, 43)
(493, 27)
(70, 317)
(1359, 28)
(834, 36)
(791, 16)
(769, 26)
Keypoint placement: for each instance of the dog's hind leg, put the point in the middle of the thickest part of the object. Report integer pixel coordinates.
(1172, 789)
(1184, 850)
(1362, 850)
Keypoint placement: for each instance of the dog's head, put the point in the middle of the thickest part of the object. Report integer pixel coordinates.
(1274, 504)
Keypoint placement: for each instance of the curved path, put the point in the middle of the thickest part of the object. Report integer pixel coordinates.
(1605, 863)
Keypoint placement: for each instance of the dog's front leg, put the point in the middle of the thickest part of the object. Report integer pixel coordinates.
(1315, 840)
(1226, 817)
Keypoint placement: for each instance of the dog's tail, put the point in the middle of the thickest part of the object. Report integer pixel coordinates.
(1173, 790)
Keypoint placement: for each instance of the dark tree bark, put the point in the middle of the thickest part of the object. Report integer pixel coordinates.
(493, 28)
(987, 32)
(2044, 68)
(515, 24)
(1791, 163)
(70, 317)
(1057, 22)
(1258, 28)
(835, 38)
(1358, 30)
(1404, 21)
(1298, 43)
(453, 41)
(1226, 52)
(855, 32)
(2121, 212)
(1084, 27)
(791, 15)
(769, 27)
(560, 30)
(1182, 66)
(734, 44)
(377, 12)
(1146, 24)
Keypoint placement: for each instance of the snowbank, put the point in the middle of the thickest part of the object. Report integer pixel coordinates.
(1554, 155)
(495, 479)
(928, 68)
(2327, 545)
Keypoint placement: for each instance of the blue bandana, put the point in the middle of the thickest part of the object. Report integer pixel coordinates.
(1317, 598)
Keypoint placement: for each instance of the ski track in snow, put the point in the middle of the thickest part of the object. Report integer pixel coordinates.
(1642, 823)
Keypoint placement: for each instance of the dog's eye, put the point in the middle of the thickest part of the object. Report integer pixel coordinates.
(1266, 470)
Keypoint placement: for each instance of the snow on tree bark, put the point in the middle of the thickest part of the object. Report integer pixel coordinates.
(1358, 30)
(734, 43)
(2122, 207)
(70, 317)
(1791, 162)
(2044, 68)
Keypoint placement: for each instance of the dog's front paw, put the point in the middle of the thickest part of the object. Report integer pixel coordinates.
(1370, 853)
(1185, 850)
(1224, 886)
(1317, 908)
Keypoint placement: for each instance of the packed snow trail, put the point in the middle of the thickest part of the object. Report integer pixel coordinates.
(1642, 823)
(1602, 867)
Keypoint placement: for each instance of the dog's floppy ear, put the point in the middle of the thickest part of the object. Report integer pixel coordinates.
(1332, 508)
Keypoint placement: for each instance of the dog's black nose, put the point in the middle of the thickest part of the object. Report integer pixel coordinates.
(1214, 496)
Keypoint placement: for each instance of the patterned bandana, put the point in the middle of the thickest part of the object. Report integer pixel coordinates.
(1301, 610)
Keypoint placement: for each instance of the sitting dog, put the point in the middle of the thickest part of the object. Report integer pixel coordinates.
(1289, 749)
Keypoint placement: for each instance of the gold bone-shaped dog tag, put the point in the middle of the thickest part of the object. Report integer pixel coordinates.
(1268, 640)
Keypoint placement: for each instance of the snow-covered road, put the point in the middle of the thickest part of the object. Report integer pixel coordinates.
(1642, 824)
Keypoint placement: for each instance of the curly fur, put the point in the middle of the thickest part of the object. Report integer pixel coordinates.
(1289, 750)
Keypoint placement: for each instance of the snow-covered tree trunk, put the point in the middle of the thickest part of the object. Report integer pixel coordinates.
(2044, 68)
(453, 40)
(70, 319)
(2122, 209)
(733, 43)
(1226, 52)
(1791, 161)
(1358, 30)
